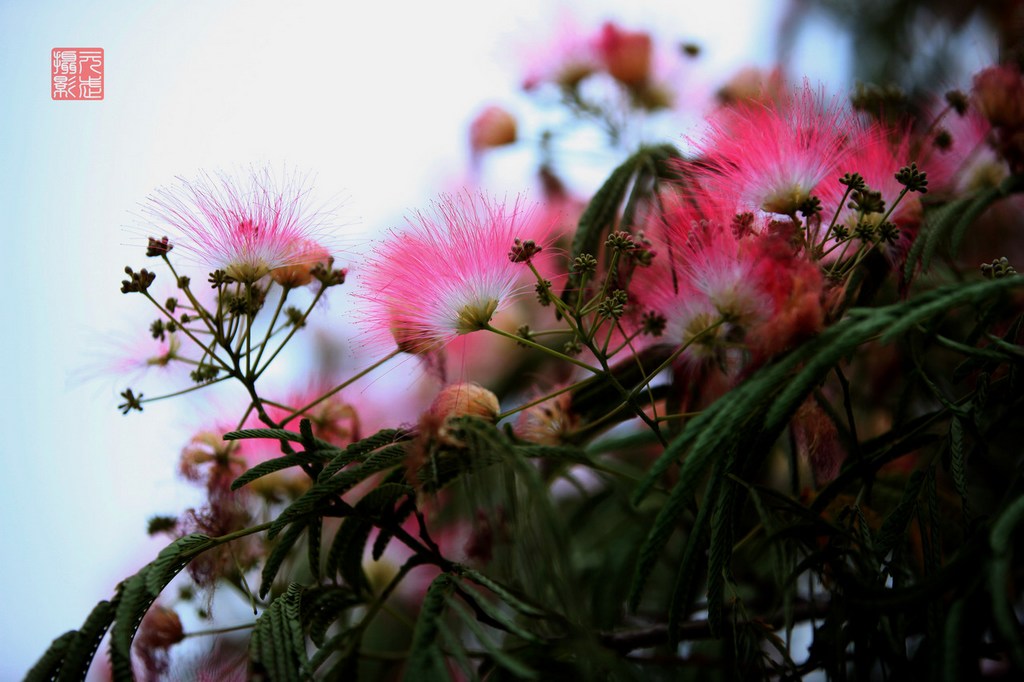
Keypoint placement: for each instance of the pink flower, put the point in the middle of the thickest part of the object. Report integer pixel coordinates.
(736, 292)
(702, 277)
(245, 227)
(449, 273)
(771, 157)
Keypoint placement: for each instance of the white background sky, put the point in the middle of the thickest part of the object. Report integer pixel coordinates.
(373, 99)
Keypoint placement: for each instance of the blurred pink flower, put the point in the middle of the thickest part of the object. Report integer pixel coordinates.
(625, 55)
(245, 227)
(999, 94)
(965, 162)
(563, 59)
(448, 273)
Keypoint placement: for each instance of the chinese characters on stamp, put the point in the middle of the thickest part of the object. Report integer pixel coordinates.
(76, 73)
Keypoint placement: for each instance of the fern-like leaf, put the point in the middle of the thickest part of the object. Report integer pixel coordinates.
(277, 648)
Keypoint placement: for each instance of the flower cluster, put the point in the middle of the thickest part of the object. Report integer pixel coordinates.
(450, 272)
(767, 358)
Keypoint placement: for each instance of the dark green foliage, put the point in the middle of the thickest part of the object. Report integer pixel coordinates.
(278, 556)
(323, 605)
(947, 224)
(277, 648)
(49, 664)
(324, 494)
(271, 465)
(1001, 540)
(755, 412)
(70, 655)
(360, 449)
(425, 661)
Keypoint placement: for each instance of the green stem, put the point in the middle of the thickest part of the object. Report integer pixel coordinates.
(550, 351)
(538, 401)
(219, 631)
(291, 333)
(270, 327)
(186, 332)
(186, 390)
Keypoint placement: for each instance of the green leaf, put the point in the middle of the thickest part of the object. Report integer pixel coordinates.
(83, 647)
(271, 465)
(133, 599)
(361, 448)
(275, 434)
(327, 490)
(345, 643)
(173, 558)
(754, 413)
(277, 648)
(502, 658)
(278, 555)
(720, 555)
(569, 453)
(520, 604)
(425, 660)
(314, 529)
(602, 211)
(684, 589)
(1001, 541)
(346, 555)
(958, 465)
(501, 615)
(895, 525)
(134, 596)
(49, 664)
(324, 604)
(457, 650)
(948, 223)
(349, 546)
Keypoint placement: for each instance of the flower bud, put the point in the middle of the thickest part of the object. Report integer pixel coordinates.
(492, 127)
(304, 255)
(159, 631)
(464, 400)
(626, 54)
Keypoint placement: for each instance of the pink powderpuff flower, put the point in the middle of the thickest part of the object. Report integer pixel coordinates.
(449, 272)
(771, 157)
(244, 227)
(796, 291)
(702, 277)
